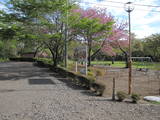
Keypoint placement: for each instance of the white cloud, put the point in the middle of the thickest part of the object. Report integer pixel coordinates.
(141, 18)
(2, 6)
(144, 31)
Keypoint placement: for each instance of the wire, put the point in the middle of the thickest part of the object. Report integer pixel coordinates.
(147, 5)
(134, 4)
(102, 4)
(117, 6)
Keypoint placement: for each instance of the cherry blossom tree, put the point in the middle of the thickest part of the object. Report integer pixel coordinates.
(91, 26)
(100, 30)
(117, 40)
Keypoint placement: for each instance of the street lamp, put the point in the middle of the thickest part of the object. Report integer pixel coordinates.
(129, 8)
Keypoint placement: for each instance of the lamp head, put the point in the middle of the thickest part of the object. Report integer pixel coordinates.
(128, 7)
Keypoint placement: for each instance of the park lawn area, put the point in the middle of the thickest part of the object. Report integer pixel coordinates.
(45, 60)
(121, 64)
(4, 59)
(154, 66)
(116, 63)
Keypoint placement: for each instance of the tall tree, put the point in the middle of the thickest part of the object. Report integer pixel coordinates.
(101, 31)
(91, 26)
(118, 39)
(49, 18)
(152, 46)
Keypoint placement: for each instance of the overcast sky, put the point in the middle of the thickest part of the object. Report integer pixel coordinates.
(144, 21)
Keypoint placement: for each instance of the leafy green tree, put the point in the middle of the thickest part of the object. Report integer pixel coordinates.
(47, 20)
(73, 44)
(152, 46)
(8, 31)
(137, 48)
(91, 27)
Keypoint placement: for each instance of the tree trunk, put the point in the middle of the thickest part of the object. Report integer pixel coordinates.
(126, 57)
(112, 60)
(89, 55)
(89, 51)
(54, 62)
(37, 50)
(94, 54)
(53, 57)
(126, 61)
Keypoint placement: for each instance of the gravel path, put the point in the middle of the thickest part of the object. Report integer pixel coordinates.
(32, 93)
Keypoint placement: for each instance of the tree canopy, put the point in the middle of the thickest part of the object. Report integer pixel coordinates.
(32, 25)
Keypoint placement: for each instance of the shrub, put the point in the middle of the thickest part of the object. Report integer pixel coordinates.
(4, 59)
(98, 88)
(121, 95)
(91, 74)
(135, 98)
(45, 60)
(71, 67)
(91, 79)
(99, 72)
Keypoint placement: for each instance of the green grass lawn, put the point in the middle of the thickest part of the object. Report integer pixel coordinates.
(116, 63)
(149, 65)
(154, 65)
(45, 60)
(4, 59)
(158, 103)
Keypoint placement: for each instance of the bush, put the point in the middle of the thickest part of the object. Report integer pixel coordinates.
(91, 74)
(98, 73)
(71, 67)
(4, 59)
(121, 95)
(135, 98)
(98, 88)
(45, 60)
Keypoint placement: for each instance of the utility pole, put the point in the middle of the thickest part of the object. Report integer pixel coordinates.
(66, 38)
(86, 60)
(129, 8)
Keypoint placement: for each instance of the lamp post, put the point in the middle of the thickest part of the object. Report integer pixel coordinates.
(129, 8)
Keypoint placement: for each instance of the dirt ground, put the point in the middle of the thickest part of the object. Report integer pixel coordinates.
(143, 82)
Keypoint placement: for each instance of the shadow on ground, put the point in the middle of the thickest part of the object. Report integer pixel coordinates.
(40, 81)
(16, 71)
(72, 84)
(22, 70)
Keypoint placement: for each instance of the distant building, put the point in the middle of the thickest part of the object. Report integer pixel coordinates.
(38, 55)
(28, 55)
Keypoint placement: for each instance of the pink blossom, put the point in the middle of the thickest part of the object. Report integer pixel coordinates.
(117, 38)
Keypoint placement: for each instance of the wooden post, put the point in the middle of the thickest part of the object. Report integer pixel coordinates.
(130, 59)
(130, 78)
(113, 92)
(86, 61)
(76, 66)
